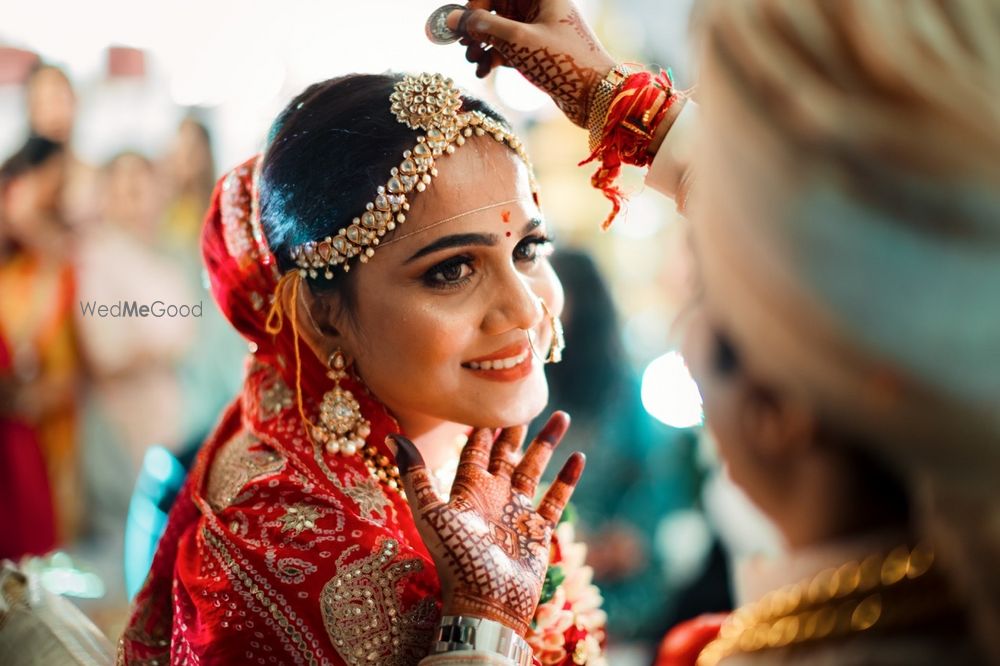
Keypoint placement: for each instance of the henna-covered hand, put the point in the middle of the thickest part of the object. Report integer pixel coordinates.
(546, 40)
(489, 542)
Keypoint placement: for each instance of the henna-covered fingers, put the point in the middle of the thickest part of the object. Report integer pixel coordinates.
(475, 52)
(480, 26)
(558, 494)
(484, 63)
(462, 27)
(525, 11)
(477, 450)
(506, 451)
(413, 472)
(529, 470)
(485, 66)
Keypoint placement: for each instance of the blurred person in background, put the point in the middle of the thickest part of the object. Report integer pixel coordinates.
(133, 361)
(41, 368)
(647, 473)
(134, 395)
(211, 371)
(51, 104)
(190, 171)
(51, 112)
(843, 184)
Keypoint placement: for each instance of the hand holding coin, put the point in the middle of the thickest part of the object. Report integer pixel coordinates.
(548, 41)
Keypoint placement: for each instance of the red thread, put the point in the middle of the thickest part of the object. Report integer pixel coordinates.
(638, 108)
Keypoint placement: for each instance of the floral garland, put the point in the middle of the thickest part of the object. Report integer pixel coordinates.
(568, 627)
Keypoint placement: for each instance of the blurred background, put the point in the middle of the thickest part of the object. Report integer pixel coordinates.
(117, 117)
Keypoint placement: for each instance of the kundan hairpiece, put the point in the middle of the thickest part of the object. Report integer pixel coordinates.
(425, 102)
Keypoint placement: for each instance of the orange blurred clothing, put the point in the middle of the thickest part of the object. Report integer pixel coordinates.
(37, 297)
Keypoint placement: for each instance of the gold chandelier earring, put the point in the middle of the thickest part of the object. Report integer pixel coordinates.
(341, 428)
(558, 337)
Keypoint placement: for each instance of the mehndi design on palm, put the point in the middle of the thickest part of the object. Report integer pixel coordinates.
(489, 542)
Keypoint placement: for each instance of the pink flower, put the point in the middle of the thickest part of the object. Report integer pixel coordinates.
(569, 628)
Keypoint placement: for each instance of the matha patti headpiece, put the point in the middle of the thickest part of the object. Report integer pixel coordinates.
(425, 102)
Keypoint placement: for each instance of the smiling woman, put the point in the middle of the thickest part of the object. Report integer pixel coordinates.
(388, 262)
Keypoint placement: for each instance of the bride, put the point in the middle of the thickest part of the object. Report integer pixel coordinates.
(387, 261)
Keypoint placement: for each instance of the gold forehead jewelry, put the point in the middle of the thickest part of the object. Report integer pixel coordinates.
(425, 102)
(396, 239)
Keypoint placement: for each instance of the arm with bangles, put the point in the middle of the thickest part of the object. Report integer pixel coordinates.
(641, 120)
(489, 542)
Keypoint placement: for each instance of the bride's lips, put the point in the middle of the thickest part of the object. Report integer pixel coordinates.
(508, 364)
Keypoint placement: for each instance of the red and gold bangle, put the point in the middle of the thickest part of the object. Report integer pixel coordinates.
(639, 105)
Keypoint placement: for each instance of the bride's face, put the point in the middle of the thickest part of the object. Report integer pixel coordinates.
(436, 306)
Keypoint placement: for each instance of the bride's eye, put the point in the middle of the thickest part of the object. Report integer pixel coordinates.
(449, 274)
(533, 248)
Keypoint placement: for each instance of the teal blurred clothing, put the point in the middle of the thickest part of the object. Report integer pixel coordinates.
(638, 471)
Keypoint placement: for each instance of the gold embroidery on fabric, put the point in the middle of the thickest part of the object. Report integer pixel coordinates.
(236, 464)
(275, 396)
(366, 493)
(256, 300)
(145, 637)
(362, 610)
(250, 584)
(241, 227)
(289, 570)
(299, 517)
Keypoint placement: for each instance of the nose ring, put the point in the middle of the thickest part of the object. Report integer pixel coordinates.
(558, 337)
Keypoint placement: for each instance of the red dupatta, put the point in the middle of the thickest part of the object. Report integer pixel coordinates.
(275, 552)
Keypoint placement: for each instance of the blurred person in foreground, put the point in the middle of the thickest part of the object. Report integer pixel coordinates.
(39, 362)
(844, 195)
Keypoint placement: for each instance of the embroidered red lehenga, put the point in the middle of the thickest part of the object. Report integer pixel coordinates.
(275, 552)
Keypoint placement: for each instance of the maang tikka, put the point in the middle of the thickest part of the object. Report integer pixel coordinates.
(341, 428)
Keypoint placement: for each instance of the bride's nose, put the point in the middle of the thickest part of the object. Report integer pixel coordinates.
(515, 306)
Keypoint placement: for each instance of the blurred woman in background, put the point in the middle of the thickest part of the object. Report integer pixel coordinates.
(39, 364)
(190, 171)
(51, 111)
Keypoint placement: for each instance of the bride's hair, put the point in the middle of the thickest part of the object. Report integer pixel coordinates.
(328, 152)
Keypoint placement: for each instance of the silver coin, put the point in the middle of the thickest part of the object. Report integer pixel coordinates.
(437, 29)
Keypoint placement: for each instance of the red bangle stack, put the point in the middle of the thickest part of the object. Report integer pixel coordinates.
(639, 106)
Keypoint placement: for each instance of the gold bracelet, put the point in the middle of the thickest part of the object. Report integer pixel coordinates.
(601, 98)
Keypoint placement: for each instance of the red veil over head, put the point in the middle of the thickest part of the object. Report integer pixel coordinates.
(243, 272)
(248, 533)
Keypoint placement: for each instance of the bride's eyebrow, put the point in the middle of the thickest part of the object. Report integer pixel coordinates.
(466, 240)
(453, 241)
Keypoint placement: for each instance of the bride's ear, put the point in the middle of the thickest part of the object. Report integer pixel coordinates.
(319, 320)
